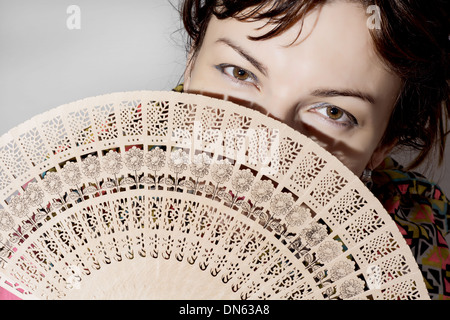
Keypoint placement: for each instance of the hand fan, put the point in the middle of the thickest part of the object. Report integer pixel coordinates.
(166, 195)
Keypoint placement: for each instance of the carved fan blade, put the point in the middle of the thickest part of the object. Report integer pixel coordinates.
(164, 195)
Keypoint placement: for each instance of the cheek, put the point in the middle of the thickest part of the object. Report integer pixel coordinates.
(356, 165)
(357, 154)
(356, 161)
(202, 79)
(353, 150)
(194, 77)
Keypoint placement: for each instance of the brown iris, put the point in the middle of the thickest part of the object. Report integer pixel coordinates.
(240, 74)
(334, 113)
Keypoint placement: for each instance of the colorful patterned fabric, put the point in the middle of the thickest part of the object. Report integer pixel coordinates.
(420, 210)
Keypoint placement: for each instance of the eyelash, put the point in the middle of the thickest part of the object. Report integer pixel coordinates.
(222, 68)
(351, 122)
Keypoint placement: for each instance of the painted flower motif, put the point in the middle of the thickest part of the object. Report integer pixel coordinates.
(155, 159)
(90, 166)
(281, 203)
(134, 158)
(221, 171)
(341, 269)
(178, 161)
(18, 206)
(262, 191)
(112, 162)
(52, 183)
(242, 181)
(314, 234)
(71, 173)
(200, 166)
(351, 288)
(298, 215)
(34, 194)
(6, 220)
(328, 251)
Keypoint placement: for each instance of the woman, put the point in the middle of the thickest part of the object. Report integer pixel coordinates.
(360, 77)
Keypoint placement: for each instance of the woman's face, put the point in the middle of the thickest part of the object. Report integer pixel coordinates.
(329, 84)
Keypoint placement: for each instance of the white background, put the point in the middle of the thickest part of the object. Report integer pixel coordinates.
(122, 45)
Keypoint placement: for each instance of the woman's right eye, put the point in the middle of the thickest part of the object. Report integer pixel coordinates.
(238, 74)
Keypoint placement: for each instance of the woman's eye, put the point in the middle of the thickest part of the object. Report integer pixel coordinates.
(335, 114)
(238, 74)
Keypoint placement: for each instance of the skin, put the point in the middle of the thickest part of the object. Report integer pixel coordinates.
(328, 83)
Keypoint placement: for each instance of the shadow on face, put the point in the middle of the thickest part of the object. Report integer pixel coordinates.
(340, 150)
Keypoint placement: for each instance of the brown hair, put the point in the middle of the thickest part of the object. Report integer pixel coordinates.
(413, 41)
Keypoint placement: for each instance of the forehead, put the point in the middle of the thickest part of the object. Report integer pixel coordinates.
(334, 45)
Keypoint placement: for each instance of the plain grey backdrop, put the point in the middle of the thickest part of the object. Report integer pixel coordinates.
(119, 46)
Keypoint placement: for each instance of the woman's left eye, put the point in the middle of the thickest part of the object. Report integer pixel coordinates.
(238, 74)
(335, 114)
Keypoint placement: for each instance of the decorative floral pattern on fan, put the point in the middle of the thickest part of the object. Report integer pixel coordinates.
(168, 195)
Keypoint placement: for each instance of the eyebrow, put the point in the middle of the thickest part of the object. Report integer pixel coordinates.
(317, 93)
(258, 65)
(345, 93)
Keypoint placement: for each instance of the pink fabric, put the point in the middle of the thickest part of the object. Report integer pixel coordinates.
(5, 295)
